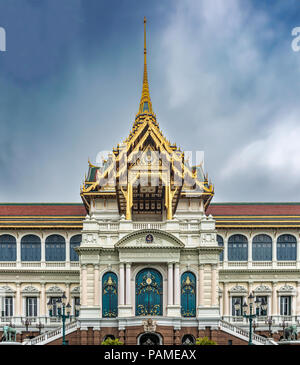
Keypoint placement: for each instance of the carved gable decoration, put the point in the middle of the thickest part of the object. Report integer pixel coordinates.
(75, 290)
(238, 289)
(6, 290)
(287, 289)
(149, 239)
(30, 290)
(54, 290)
(262, 289)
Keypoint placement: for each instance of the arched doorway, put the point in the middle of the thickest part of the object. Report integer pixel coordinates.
(149, 339)
(149, 293)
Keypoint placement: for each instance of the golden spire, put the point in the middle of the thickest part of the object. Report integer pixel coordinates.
(145, 103)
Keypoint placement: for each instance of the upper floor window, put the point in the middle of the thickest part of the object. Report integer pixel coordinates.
(262, 248)
(285, 305)
(30, 248)
(221, 243)
(74, 242)
(8, 248)
(237, 300)
(55, 248)
(237, 248)
(286, 247)
(263, 300)
(7, 307)
(188, 294)
(31, 306)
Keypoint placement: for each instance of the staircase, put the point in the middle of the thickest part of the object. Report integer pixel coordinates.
(244, 334)
(51, 335)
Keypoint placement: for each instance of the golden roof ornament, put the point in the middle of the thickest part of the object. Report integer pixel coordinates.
(145, 103)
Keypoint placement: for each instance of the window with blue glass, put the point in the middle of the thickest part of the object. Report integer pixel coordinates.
(109, 295)
(74, 242)
(148, 291)
(188, 294)
(55, 248)
(221, 244)
(8, 248)
(30, 248)
(262, 248)
(286, 247)
(238, 248)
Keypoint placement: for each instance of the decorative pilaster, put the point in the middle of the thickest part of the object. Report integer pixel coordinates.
(18, 301)
(122, 285)
(43, 300)
(214, 302)
(170, 284)
(84, 285)
(96, 286)
(274, 300)
(201, 285)
(176, 285)
(298, 298)
(128, 284)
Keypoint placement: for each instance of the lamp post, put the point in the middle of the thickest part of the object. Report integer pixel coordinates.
(63, 312)
(40, 326)
(284, 325)
(26, 323)
(252, 305)
(269, 322)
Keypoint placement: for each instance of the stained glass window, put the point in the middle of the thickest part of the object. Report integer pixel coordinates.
(110, 295)
(148, 293)
(188, 295)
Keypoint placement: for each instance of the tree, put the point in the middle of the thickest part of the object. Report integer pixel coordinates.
(205, 341)
(111, 342)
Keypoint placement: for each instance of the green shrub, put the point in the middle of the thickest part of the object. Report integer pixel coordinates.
(111, 342)
(205, 341)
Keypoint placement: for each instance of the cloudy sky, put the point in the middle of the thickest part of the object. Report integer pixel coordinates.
(223, 79)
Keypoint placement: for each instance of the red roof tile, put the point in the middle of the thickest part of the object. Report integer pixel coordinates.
(49, 209)
(254, 209)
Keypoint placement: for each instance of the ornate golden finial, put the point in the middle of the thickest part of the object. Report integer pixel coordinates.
(145, 103)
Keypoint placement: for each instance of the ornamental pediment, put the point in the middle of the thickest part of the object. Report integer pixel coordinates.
(149, 239)
(238, 289)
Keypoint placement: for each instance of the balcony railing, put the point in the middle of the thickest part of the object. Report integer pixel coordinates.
(261, 321)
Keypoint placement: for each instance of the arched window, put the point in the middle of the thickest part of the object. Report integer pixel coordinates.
(188, 340)
(8, 248)
(31, 248)
(286, 247)
(221, 244)
(149, 293)
(188, 294)
(262, 248)
(109, 295)
(74, 242)
(55, 248)
(237, 248)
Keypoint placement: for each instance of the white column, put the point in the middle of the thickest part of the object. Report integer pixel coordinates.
(298, 299)
(225, 300)
(201, 285)
(18, 301)
(96, 286)
(274, 249)
(128, 277)
(42, 302)
(214, 285)
(177, 285)
(43, 244)
(84, 285)
(68, 249)
(274, 300)
(225, 249)
(18, 250)
(122, 285)
(170, 284)
(250, 249)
